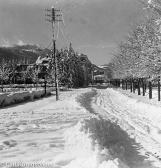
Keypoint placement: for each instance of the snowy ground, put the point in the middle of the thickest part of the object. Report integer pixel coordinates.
(87, 128)
(140, 120)
(153, 101)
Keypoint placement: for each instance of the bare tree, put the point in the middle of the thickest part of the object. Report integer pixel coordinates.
(34, 74)
(4, 73)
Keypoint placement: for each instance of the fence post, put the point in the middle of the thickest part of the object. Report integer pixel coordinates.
(138, 86)
(158, 88)
(150, 90)
(45, 86)
(122, 84)
(131, 85)
(143, 86)
(126, 83)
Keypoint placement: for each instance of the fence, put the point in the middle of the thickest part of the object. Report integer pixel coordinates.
(25, 87)
(139, 85)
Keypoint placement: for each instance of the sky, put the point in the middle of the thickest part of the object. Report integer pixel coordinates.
(94, 27)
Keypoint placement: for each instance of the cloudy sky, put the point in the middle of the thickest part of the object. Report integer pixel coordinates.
(94, 27)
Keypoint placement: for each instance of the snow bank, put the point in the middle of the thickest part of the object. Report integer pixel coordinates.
(18, 97)
(94, 143)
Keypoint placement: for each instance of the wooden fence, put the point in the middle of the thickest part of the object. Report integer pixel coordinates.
(138, 84)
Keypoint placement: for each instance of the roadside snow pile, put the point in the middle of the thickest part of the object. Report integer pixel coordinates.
(18, 97)
(95, 143)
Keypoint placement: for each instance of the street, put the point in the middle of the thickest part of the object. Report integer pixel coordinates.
(89, 127)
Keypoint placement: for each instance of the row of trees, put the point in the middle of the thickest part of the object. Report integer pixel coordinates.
(70, 70)
(140, 54)
(10, 75)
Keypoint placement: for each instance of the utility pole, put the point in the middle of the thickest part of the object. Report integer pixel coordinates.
(53, 16)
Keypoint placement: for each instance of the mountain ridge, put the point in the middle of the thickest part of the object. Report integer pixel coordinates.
(22, 54)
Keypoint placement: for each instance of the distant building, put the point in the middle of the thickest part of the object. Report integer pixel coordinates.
(93, 73)
(21, 69)
(101, 74)
(87, 69)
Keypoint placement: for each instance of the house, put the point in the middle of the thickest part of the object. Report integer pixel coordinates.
(21, 70)
(101, 74)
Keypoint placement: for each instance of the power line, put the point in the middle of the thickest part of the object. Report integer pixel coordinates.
(64, 33)
(58, 31)
(48, 46)
(65, 37)
(65, 27)
(63, 21)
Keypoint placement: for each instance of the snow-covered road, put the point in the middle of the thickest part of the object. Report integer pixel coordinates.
(141, 122)
(87, 128)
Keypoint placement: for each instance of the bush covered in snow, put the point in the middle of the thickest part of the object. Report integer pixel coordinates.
(18, 97)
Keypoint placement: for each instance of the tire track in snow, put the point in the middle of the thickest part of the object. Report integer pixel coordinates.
(140, 126)
(86, 99)
(128, 121)
(120, 138)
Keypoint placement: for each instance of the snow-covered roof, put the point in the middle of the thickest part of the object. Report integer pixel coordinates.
(99, 76)
(40, 60)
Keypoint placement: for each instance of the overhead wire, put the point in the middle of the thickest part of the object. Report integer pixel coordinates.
(63, 21)
(48, 46)
(65, 36)
(62, 30)
(58, 29)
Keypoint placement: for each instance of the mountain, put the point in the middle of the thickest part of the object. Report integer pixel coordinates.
(22, 54)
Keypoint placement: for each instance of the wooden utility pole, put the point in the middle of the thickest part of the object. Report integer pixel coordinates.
(54, 18)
